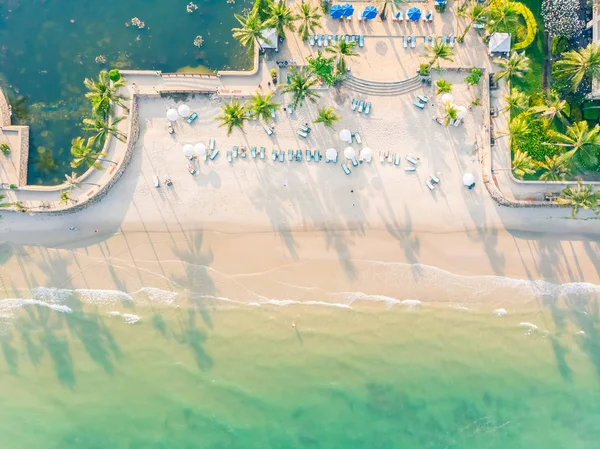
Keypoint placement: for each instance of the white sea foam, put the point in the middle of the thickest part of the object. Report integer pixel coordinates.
(500, 312)
(6, 305)
(90, 296)
(289, 302)
(530, 327)
(158, 295)
(411, 303)
(129, 318)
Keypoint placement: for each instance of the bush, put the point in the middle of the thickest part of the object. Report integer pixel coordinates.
(114, 75)
(424, 69)
(536, 99)
(474, 76)
(325, 6)
(534, 145)
(531, 25)
(5, 148)
(13, 186)
(274, 73)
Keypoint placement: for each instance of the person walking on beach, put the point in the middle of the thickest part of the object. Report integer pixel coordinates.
(73, 228)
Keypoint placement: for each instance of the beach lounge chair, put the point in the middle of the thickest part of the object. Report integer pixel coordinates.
(262, 152)
(268, 130)
(410, 168)
(354, 104)
(274, 155)
(354, 162)
(214, 155)
(253, 152)
(290, 109)
(272, 113)
(368, 108)
(155, 181)
(347, 38)
(353, 38)
(281, 155)
(290, 155)
(243, 152)
(429, 184)
(445, 40)
(235, 151)
(325, 40)
(434, 179)
(346, 169)
(423, 99)
(305, 128)
(418, 104)
(361, 40)
(302, 134)
(397, 159)
(361, 106)
(452, 40)
(298, 155)
(390, 157)
(316, 155)
(432, 40)
(405, 41)
(426, 41)
(413, 41)
(411, 159)
(334, 160)
(307, 155)
(312, 40)
(457, 122)
(381, 157)
(229, 156)
(192, 117)
(334, 39)
(320, 40)
(211, 144)
(357, 137)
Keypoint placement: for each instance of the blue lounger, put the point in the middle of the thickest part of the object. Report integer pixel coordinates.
(361, 106)
(368, 108)
(361, 41)
(262, 152)
(423, 99)
(307, 155)
(253, 152)
(405, 41)
(312, 39)
(354, 162)
(316, 155)
(354, 104)
(346, 169)
(413, 41)
(274, 155)
(302, 134)
(290, 155)
(320, 40)
(397, 159)
(298, 155)
(418, 104)
(213, 155)
(281, 156)
(211, 144)
(229, 156)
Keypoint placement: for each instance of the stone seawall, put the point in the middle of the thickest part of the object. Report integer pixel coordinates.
(4, 110)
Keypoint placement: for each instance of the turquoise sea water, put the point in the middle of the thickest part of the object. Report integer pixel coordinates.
(80, 371)
(44, 58)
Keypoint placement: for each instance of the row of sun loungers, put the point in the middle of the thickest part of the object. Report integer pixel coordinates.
(324, 40)
(362, 106)
(427, 18)
(429, 40)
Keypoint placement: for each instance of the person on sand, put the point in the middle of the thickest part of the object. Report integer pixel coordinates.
(73, 228)
(97, 230)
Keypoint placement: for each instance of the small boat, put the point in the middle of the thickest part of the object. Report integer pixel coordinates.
(155, 181)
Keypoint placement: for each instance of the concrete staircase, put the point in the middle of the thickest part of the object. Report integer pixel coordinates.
(190, 83)
(382, 88)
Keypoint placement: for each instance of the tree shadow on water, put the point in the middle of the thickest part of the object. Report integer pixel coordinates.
(11, 355)
(189, 335)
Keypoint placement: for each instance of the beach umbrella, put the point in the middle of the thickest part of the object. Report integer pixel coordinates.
(349, 153)
(347, 10)
(461, 112)
(370, 12)
(413, 14)
(199, 149)
(447, 98)
(345, 135)
(184, 110)
(172, 114)
(336, 12)
(188, 150)
(331, 154)
(468, 179)
(366, 154)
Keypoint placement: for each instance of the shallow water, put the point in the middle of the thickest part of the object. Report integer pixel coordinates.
(44, 58)
(184, 368)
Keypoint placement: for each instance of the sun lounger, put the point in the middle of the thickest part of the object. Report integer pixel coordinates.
(381, 157)
(361, 40)
(353, 38)
(357, 137)
(214, 155)
(316, 155)
(423, 99)
(211, 144)
(411, 159)
(274, 155)
(445, 40)
(418, 104)
(192, 117)
(268, 130)
(347, 38)
(457, 122)
(334, 160)
(354, 104)
(397, 159)
(302, 134)
(262, 152)
(325, 40)
(368, 108)
(452, 40)
(410, 168)
(413, 41)
(253, 152)
(390, 157)
(243, 152)
(320, 40)
(426, 41)
(429, 184)
(298, 155)
(354, 162)
(361, 106)
(290, 155)
(281, 155)
(235, 151)
(312, 40)
(405, 41)
(334, 39)
(434, 179)
(272, 113)
(307, 155)
(346, 169)
(305, 128)
(229, 156)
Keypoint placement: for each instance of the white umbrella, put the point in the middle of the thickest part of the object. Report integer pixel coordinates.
(366, 154)
(184, 110)
(468, 179)
(331, 154)
(188, 150)
(345, 135)
(199, 149)
(349, 153)
(172, 114)
(447, 98)
(461, 112)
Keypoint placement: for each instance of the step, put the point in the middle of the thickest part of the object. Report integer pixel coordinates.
(379, 83)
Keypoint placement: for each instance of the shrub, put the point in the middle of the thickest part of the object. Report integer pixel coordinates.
(114, 75)
(474, 76)
(530, 22)
(13, 186)
(274, 73)
(534, 145)
(424, 69)
(325, 6)
(5, 148)
(561, 18)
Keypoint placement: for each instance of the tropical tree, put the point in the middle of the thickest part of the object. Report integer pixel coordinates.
(84, 154)
(233, 116)
(522, 164)
(575, 66)
(102, 128)
(281, 17)
(323, 68)
(583, 142)
(581, 197)
(342, 50)
(65, 197)
(72, 180)
(553, 108)
(327, 116)
(475, 12)
(503, 16)
(555, 168)
(262, 105)
(310, 20)
(443, 86)
(250, 31)
(382, 5)
(438, 51)
(474, 76)
(103, 92)
(519, 130)
(451, 113)
(514, 67)
(517, 101)
(301, 86)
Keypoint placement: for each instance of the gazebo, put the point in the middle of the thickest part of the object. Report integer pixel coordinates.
(269, 39)
(499, 45)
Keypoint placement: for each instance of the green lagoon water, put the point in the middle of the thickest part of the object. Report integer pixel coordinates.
(44, 58)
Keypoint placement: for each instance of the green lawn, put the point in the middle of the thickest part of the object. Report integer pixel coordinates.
(532, 81)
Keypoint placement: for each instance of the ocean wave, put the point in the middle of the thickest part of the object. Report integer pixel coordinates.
(129, 318)
(159, 295)
(6, 305)
(90, 296)
(500, 312)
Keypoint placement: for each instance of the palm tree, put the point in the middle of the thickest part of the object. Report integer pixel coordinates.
(515, 66)
(84, 154)
(262, 106)
(583, 142)
(578, 65)
(281, 18)
(555, 168)
(250, 31)
(516, 102)
(301, 87)
(310, 19)
(451, 113)
(72, 180)
(234, 114)
(323, 68)
(519, 130)
(475, 13)
(503, 16)
(522, 164)
(103, 128)
(439, 50)
(382, 6)
(65, 197)
(581, 197)
(327, 116)
(342, 49)
(103, 92)
(443, 86)
(553, 108)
